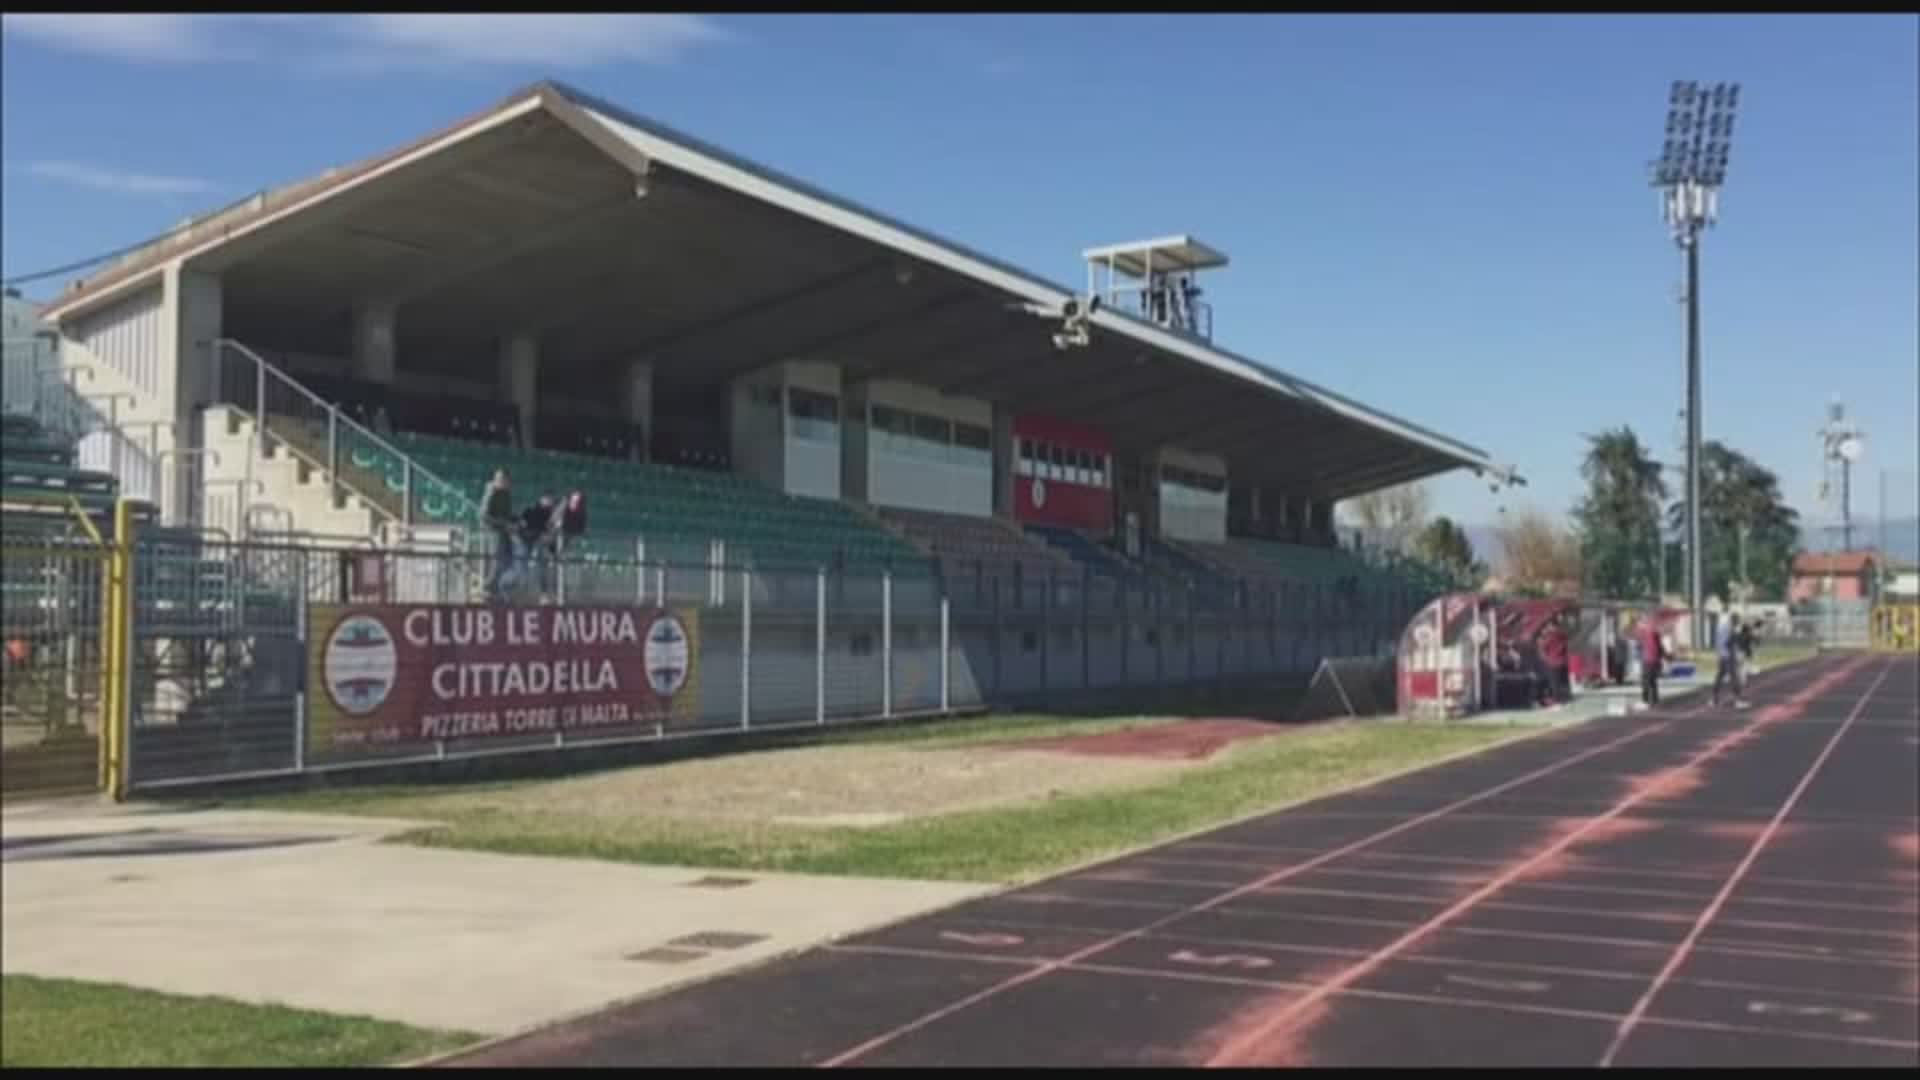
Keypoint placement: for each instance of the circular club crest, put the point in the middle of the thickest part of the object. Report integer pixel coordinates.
(1039, 493)
(359, 665)
(1478, 633)
(666, 656)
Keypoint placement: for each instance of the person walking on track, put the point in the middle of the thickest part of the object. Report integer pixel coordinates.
(1653, 656)
(1726, 644)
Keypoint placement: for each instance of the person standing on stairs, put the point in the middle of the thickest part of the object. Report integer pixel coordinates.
(496, 513)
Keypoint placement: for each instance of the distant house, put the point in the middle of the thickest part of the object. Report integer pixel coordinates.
(1902, 584)
(1834, 575)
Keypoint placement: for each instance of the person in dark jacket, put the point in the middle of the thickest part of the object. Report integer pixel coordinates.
(1653, 656)
(1743, 641)
(496, 512)
(569, 522)
(537, 534)
(1726, 648)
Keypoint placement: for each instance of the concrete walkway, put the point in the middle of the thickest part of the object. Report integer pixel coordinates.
(312, 911)
(1588, 703)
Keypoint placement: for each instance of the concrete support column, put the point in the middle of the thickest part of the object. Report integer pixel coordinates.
(855, 442)
(1003, 462)
(199, 310)
(519, 368)
(373, 341)
(638, 385)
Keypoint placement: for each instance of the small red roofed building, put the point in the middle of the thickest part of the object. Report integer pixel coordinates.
(1832, 575)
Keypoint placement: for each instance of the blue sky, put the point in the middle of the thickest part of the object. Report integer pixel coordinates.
(1444, 216)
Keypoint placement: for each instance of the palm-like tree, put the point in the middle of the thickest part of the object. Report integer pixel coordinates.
(1620, 517)
(1740, 498)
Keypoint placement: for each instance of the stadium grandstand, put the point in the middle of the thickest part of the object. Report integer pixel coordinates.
(742, 372)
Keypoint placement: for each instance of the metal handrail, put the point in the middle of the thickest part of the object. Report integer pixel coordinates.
(169, 482)
(336, 418)
(332, 474)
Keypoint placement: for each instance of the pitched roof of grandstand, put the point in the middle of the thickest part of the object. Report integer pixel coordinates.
(551, 167)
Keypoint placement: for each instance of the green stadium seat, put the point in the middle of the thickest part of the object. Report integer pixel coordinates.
(670, 507)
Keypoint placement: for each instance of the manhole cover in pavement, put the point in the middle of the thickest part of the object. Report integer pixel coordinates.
(718, 939)
(666, 955)
(714, 881)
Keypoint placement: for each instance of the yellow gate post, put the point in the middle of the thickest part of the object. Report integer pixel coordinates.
(116, 649)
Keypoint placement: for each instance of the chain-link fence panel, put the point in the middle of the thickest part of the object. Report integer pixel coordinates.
(855, 625)
(51, 592)
(914, 646)
(279, 655)
(218, 658)
(1832, 625)
(1348, 687)
(787, 656)
(975, 631)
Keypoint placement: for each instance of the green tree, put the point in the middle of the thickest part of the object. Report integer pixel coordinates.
(1446, 546)
(1618, 520)
(1736, 495)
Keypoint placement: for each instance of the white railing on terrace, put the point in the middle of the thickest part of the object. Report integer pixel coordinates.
(90, 424)
(1191, 316)
(274, 397)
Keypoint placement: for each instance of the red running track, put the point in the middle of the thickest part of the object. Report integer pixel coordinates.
(1690, 887)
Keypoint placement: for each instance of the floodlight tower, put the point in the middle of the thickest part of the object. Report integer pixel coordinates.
(1691, 169)
(1842, 443)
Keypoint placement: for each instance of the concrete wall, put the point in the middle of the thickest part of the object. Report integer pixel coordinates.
(755, 419)
(853, 443)
(916, 474)
(128, 337)
(812, 445)
(1023, 658)
(119, 360)
(1807, 587)
(789, 453)
(1189, 513)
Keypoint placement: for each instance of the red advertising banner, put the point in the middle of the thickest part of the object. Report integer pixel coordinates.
(393, 674)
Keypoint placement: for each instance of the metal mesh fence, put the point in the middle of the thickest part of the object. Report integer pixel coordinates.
(259, 657)
(1830, 625)
(50, 669)
(217, 658)
(1349, 686)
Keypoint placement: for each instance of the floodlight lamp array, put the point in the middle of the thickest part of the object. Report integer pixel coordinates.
(1699, 135)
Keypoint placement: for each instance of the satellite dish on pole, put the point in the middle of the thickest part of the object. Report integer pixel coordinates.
(1852, 448)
